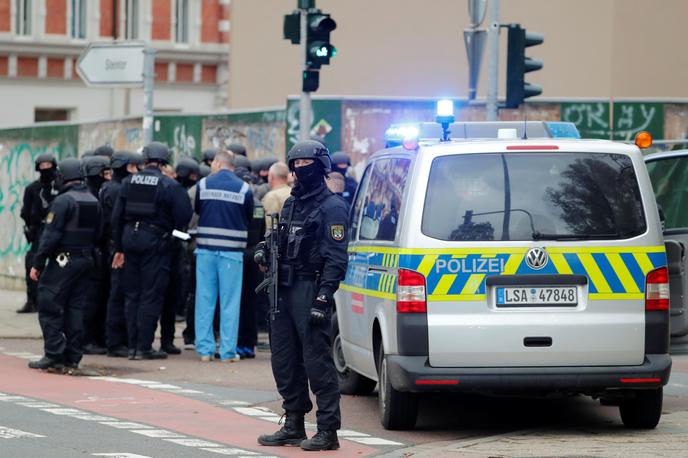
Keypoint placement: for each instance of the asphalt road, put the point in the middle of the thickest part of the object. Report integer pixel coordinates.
(182, 407)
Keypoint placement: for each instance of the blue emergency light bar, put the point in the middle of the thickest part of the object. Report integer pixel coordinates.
(398, 134)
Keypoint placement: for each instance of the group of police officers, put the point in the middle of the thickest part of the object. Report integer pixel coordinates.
(104, 267)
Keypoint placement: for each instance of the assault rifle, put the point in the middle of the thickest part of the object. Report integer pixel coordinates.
(271, 282)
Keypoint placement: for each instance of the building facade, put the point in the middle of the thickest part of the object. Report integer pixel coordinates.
(593, 49)
(40, 41)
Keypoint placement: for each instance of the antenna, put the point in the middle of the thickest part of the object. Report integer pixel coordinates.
(525, 121)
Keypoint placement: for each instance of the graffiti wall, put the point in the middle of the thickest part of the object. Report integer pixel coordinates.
(125, 134)
(262, 133)
(18, 150)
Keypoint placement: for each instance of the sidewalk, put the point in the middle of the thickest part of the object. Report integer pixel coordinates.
(13, 324)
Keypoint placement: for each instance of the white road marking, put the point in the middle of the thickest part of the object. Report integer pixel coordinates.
(229, 402)
(124, 425)
(349, 433)
(230, 451)
(157, 433)
(9, 433)
(92, 417)
(162, 386)
(256, 411)
(373, 441)
(37, 404)
(193, 442)
(121, 455)
(13, 398)
(62, 411)
(274, 419)
(185, 391)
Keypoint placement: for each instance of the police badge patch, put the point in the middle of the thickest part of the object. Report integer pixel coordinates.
(337, 231)
(49, 219)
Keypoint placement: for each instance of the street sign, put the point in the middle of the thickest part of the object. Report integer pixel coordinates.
(112, 64)
(475, 46)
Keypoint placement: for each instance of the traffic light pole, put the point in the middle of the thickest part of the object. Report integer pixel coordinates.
(493, 62)
(305, 116)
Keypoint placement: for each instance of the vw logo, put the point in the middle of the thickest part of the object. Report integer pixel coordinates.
(537, 258)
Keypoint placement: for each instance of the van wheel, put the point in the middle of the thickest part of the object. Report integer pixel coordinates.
(398, 410)
(350, 382)
(644, 410)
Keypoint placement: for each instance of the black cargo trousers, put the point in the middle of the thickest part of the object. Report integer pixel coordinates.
(301, 355)
(61, 299)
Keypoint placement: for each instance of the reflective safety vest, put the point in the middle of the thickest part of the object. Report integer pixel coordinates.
(221, 201)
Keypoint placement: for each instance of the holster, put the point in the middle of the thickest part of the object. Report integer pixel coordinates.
(286, 275)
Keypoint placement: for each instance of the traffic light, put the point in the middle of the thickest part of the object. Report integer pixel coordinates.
(518, 64)
(311, 80)
(292, 27)
(319, 50)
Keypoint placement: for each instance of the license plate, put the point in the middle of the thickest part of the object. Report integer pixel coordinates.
(537, 296)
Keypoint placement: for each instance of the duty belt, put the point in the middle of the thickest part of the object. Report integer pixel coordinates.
(307, 276)
(144, 225)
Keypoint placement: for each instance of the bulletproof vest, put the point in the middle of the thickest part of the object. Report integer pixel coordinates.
(81, 229)
(298, 235)
(143, 194)
(256, 226)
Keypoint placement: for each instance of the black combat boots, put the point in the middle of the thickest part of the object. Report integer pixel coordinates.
(292, 433)
(323, 440)
(46, 363)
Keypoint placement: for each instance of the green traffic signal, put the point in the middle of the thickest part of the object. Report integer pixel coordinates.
(319, 51)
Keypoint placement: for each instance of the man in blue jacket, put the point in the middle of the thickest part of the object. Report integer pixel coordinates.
(224, 203)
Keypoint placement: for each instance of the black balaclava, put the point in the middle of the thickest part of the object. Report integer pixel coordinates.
(309, 177)
(95, 182)
(186, 182)
(47, 176)
(120, 173)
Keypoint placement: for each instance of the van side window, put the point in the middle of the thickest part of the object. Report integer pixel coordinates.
(382, 202)
(355, 214)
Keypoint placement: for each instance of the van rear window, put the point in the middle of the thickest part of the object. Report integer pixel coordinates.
(538, 196)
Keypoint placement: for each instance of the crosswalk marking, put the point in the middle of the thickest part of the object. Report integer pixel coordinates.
(157, 433)
(124, 425)
(193, 442)
(10, 433)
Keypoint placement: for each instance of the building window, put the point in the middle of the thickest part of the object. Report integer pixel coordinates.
(181, 13)
(23, 16)
(131, 16)
(50, 114)
(78, 19)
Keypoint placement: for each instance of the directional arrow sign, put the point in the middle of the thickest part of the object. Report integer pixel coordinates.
(112, 64)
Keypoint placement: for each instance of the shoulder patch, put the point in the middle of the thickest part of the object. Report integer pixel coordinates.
(49, 219)
(337, 232)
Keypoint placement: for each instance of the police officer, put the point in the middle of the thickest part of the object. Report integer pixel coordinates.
(208, 155)
(123, 164)
(35, 207)
(72, 228)
(98, 172)
(149, 206)
(188, 173)
(312, 262)
(342, 162)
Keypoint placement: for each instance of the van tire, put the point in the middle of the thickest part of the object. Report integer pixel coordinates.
(644, 410)
(398, 410)
(350, 381)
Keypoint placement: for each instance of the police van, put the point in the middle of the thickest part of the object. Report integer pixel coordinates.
(504, 258)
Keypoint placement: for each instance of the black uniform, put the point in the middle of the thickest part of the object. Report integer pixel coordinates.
(115, 323)
(250, 301)
(35, 207)
(350, 186)
(72, 228)
(149, 206)
(313, 251)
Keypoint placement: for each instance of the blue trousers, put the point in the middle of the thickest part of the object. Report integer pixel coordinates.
(218, 272)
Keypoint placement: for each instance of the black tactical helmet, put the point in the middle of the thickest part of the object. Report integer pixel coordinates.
(45, 157)
(121, 159)
(267, 162)
(87, 153)
(310, 149)
(70, 169)
(209, 155)
(205, 170)
(156, 152)
(187, 166)
(104, 150)
(340, 157)
(95, 164)
(242, 161)
(136, 158)
(237, 148)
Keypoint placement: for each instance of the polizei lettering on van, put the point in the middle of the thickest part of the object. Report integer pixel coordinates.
(147, 180)
(470, 266)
